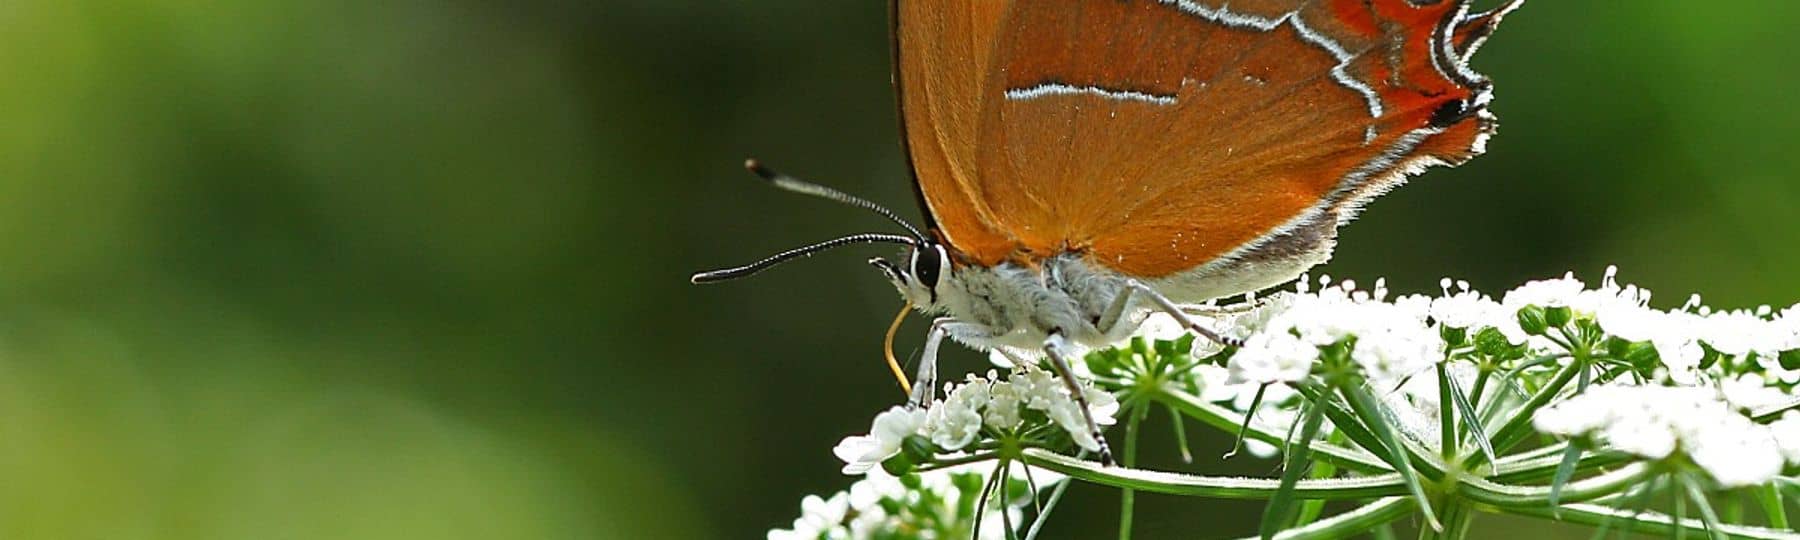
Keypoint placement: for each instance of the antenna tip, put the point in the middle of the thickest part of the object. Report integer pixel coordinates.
(701, 278)
(756, 167)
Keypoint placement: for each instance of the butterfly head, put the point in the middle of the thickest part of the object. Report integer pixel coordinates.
(919, 272)
(923, 269)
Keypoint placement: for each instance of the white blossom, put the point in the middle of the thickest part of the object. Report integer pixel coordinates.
(957, 421)
(1464, 309)
(818, 517)
(1387, 357)
(859, 513)
(1547, 293)
(891, 427)
(1272, 357)
(1656, 421)
(1787, 436)
(1734, 332)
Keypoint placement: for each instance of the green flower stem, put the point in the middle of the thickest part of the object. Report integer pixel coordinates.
(1519, 425)
(1363, 487)
(1535, 468)
(1354, 522)
(1128, 496)
(1481, 382)
(1640, 522)
(1457, 517)
(1227, 420)
(957, 461)
(1506, 496)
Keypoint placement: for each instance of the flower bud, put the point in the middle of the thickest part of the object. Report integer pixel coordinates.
(1641, 355)
(1453, 336)
(1556, 317)
(1490, 341)
(1790, 359)
(1532, 320)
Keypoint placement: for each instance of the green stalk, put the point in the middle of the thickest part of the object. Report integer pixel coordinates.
(1181, 440)
(1369, 517)
(1645, 522)
(1361, 487)
(1128, 496)
(1510, 497)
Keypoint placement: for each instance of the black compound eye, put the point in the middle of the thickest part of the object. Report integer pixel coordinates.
(925, 264)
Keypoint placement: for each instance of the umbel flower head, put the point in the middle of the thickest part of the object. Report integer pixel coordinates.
(937, 504)
(1027, 401)
(1389, 389)
(1660, 422)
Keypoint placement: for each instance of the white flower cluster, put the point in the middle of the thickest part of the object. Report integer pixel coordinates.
(990, 402)
(1658, 421)
(932, 507)
(1393, 339)
(1399, 338)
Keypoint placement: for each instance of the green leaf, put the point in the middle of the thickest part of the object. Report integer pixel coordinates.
(1299, 459)
(1769, 497)
(1255, 404)
(1224, 419)
(1519, 424)
(1369, 410)
(1564, 470)
(1471, 421)
(1707, 516)
(1311, 508)
(1448, 442)
(1346, 422)
(1618, 510)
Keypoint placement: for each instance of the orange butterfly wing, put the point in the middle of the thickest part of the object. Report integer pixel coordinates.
(1156, 136)
(943, 56)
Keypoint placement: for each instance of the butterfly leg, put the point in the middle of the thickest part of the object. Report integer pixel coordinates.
(1056, 348)
(925, 382)
(1240, 308)
(1163, 304)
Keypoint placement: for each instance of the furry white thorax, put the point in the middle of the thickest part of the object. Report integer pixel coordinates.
(1017, 308)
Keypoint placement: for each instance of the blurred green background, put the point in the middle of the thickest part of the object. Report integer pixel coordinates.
(418, 269)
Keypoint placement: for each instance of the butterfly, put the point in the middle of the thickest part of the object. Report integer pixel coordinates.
(1084, 163)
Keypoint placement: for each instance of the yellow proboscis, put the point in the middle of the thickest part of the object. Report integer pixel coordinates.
(888, 347)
